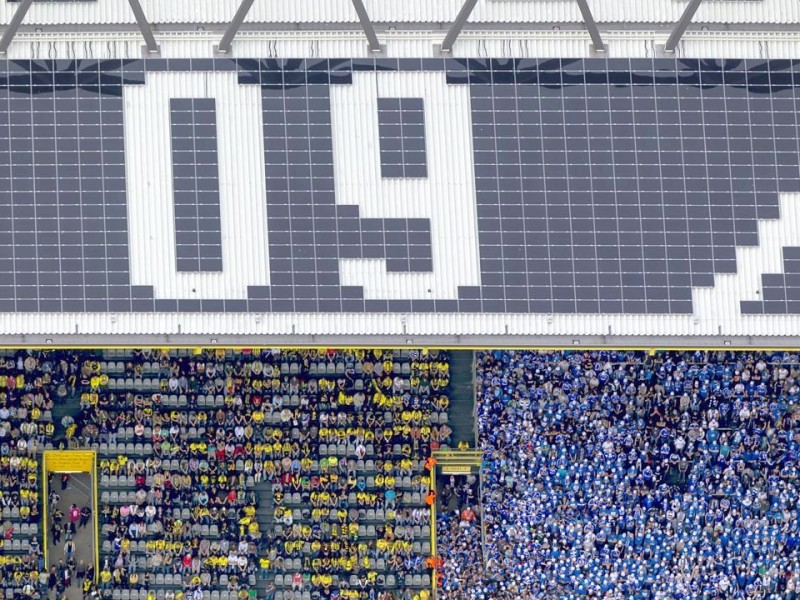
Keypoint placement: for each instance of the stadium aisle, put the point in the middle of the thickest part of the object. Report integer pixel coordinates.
(462, 396)
(76, 495)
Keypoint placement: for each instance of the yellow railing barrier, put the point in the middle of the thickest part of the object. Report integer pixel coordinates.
(434, 572)
(521, 346)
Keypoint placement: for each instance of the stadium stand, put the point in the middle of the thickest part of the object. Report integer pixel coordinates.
(550, 173)
(31, 385)
(626, 475)
(302, 474)
(193, 448)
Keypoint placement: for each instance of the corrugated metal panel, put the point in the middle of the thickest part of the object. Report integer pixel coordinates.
(351, 325)
(405, 11)
(738, 45)
(633, 44)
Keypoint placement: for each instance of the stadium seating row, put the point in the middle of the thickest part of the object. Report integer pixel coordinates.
(334, 442)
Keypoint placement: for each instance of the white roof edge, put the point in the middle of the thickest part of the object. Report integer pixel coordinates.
(705, 323)
(419, 44)
(409, 11)
(415, 341)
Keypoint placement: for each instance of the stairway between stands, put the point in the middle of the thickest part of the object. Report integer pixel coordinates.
(265, 516)
(462, 397)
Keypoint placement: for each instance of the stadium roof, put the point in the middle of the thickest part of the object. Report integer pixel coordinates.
(409, 27)
(550, 190)
(528, 13)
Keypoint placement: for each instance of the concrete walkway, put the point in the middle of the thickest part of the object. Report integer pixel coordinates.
(78, 492)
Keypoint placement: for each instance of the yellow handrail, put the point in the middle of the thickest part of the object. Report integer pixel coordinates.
(45, 511)
(96, 518)
(434, 575)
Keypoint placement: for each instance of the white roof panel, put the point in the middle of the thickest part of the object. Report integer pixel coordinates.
(331, 12)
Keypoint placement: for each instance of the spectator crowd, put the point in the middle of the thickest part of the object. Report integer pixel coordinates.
(31, 384)
(459, 531)
(629, 475)
(606, 474)
(190, 445)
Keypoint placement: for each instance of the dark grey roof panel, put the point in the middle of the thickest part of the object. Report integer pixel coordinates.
(600, 186)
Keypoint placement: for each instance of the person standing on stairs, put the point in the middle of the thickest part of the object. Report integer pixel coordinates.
(52, 580)
(55, 532)
(80, 570)
(69, 550)
(85, 513)
(66, 575)
(69, 531)
(74, 513)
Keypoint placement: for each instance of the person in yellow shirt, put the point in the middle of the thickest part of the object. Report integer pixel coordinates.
(264, 564)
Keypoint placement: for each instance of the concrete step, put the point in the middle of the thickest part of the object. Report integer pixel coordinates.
(462, 397)
(265, 517)
(67, 406)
